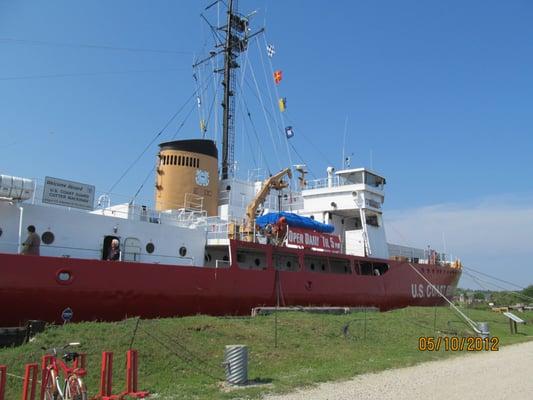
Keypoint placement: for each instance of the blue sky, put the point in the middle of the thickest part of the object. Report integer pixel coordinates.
(438, 97)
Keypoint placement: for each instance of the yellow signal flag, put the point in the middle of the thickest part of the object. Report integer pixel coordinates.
(282, 104)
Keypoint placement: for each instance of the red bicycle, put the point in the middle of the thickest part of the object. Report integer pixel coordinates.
(60, 381)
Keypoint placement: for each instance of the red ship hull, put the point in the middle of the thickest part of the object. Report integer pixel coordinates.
(107, 291)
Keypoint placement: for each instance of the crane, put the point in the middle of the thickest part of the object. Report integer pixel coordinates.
(273, 182)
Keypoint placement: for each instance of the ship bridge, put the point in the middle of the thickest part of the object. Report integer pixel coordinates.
(351, 200)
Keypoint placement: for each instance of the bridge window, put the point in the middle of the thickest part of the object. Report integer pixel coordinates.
(374, 180)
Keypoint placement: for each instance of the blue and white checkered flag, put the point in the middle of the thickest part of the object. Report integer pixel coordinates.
(270, 50)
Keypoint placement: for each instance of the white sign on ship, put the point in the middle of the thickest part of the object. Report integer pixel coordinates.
(68, 193)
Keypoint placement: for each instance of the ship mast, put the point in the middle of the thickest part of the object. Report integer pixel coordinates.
(228, 104)
(235, 42)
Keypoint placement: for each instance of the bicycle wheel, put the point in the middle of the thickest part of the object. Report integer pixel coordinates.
(50, 390)
(75, 389)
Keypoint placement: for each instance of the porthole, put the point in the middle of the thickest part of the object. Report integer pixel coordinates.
(183, 251)
(150, 248)
(64, 276)
(48, 237)
(1, 231)
(257, 262)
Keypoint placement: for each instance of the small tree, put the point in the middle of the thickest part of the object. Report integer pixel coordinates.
(479, 296)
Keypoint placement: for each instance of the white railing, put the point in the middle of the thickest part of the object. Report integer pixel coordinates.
(327, 182)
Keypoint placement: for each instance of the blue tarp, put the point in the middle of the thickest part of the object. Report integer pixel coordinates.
(294, 220)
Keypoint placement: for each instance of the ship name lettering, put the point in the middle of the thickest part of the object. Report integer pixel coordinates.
(417, 290)
(311, 240)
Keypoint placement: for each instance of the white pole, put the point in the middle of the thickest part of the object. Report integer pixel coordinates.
(19, 247)
(343, 164)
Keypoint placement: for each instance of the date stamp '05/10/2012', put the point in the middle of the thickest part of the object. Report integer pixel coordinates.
(456, 343)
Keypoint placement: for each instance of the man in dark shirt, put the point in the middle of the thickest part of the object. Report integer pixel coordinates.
(32, 244)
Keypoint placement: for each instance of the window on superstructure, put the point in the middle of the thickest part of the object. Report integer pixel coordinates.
(249, 259)
(286, 262)
(316, 264)
(174, 160)
(372, 220)
(374, 180)
(365, 268)
(339, 266)
(379, 268)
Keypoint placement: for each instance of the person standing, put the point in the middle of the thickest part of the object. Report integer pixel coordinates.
(32, 244)
(113, 253)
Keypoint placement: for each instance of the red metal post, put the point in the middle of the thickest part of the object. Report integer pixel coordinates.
(106, 374)
(45, 361)
(30, 382)
(132, 366)
(3, 376)
(131, 371)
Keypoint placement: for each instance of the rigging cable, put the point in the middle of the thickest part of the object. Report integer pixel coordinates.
(152, 169)
(496, 279)
(156, 136)
(254, 129)
(317, 148)
(472, 324)
(514, 292)
(89, 46)
(268, 82)
(265, 115)
(277, 96)
(241, 101)
(68, 75)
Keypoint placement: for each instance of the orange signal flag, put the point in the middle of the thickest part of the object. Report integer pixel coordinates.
(277, 76)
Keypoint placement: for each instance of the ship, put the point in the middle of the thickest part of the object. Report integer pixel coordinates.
(212, 243)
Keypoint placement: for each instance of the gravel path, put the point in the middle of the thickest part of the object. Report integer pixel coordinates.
(506, 374)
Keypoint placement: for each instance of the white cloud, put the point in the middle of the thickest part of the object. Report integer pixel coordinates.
(494, 235)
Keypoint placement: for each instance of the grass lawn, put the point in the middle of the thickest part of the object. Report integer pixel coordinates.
(181, 358)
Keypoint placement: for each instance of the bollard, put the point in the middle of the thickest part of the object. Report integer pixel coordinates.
(3, 375)
(30, 382)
